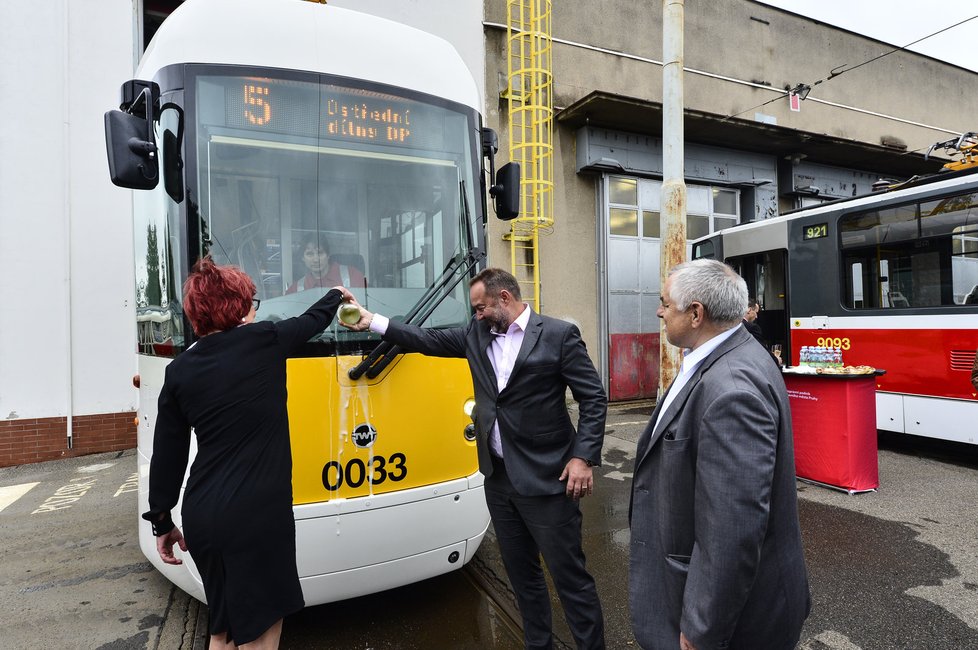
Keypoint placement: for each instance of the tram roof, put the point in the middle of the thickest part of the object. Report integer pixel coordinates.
(908, 189)
(307, 36)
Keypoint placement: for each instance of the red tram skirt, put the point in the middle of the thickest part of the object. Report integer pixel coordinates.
(834, 422)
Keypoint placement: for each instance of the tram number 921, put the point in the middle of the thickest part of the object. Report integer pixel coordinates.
(829, 342)
(356, 472)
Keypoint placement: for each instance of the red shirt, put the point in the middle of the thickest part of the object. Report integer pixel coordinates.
(336, 275)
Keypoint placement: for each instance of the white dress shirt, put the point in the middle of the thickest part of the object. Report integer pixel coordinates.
(502, 353)
(503, 350)
(691, 361)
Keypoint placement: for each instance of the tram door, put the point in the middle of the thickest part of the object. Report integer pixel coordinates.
(766, 277)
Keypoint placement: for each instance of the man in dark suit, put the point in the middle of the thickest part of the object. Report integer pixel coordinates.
(750, 320)
(536, 465)
(716, 554)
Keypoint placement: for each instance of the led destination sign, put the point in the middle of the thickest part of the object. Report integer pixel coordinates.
(326, 111)
(357, 120)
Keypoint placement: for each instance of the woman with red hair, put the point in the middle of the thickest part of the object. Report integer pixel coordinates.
(229, 387)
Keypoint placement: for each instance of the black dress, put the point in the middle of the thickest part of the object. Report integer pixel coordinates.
(237, 510)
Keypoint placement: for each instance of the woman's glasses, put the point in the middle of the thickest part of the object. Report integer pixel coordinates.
(255, 303)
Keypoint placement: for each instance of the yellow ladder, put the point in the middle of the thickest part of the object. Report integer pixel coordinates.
(530, 103)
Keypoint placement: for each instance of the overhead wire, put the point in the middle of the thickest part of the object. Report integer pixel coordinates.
(835, 72)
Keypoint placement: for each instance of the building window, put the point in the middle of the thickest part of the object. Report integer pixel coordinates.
(623, 190)
(708, 209)
(651, 221)
(725, 201)
(623, 221)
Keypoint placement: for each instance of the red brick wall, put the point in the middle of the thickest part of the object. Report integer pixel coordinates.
(34, 440)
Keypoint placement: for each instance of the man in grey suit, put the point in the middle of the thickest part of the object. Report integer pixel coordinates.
(716, 554)
(536, 465)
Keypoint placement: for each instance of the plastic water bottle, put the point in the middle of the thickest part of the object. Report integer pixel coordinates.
(837, 357)
(805, 356)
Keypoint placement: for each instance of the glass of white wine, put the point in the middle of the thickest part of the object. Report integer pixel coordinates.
(776, 351)
(349, 313)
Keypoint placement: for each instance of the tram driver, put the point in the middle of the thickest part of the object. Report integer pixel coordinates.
(323, 270)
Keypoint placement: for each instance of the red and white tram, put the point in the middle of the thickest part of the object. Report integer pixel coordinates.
(891, 278)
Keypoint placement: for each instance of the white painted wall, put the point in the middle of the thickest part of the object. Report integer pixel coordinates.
(66, 324)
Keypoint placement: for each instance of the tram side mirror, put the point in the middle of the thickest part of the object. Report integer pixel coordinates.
(131, 148)
(506, 192)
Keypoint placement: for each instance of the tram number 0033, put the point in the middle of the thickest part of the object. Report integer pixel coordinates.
(829, 342)
(357, 472)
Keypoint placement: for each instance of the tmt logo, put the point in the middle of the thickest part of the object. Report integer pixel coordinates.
(364, 435)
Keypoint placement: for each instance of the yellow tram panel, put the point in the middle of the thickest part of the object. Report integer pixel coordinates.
(402, 430)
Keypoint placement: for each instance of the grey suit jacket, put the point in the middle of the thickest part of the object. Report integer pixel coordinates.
(537, 434)
(715, 542)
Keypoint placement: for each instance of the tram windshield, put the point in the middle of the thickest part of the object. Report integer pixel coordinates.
(307, 184)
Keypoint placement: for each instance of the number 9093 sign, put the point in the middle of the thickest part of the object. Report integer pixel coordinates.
(356, 472)
(829, 342)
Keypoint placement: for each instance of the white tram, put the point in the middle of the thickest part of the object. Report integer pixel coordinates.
(255, 125)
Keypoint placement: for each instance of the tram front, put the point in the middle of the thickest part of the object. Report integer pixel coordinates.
(306, 180)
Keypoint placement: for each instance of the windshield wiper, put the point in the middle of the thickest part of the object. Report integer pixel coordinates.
(381, 356)
(458, 268)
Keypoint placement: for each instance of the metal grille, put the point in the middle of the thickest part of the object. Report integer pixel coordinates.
(962, 359)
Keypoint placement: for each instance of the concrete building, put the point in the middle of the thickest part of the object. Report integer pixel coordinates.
(749, 155)
(67, 310)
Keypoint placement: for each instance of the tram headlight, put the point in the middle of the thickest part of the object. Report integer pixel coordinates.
(469, 409)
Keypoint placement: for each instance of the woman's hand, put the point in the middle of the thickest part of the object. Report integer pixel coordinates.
(363, 322)
(347, 296)
(164, 544)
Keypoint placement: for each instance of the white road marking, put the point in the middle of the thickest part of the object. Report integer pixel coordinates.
(67, 495)
(131, 485)
(11, 493)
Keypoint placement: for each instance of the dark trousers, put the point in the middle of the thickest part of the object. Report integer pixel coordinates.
(528, 527)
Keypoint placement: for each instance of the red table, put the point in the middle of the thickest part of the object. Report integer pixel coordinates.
(834, 422)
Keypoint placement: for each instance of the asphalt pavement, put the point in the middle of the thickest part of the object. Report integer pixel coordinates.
(895, 568)
(892, 569)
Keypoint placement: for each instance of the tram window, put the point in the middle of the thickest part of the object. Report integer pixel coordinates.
(910, 256)
(704, 249)
(854, 288)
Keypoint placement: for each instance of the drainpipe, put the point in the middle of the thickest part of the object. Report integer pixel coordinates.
(673, 213)
(66, 208)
